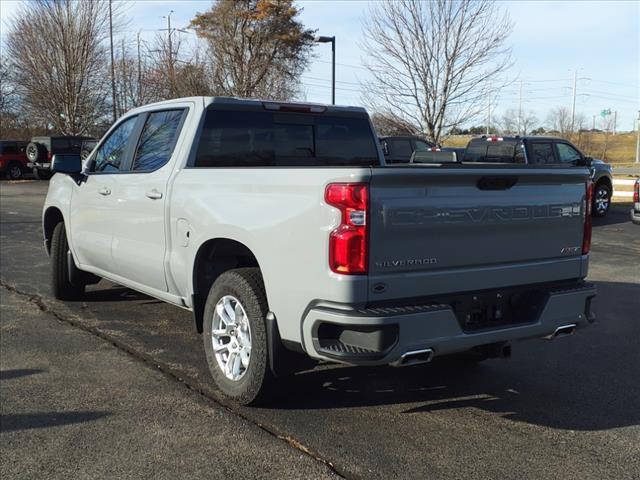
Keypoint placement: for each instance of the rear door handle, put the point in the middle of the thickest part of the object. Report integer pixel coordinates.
(104, 191)
(154, 194)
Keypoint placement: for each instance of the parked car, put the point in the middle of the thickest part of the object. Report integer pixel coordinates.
(398, 149)
(545, 151)
(282, 229)
(41, 149)
(635, 211)
(13, 160)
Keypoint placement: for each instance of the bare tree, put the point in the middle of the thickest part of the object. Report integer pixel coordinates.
(510, 123)
(434, 64)
(56, 52)
(257, 48)
(387, 125)
(559, 120)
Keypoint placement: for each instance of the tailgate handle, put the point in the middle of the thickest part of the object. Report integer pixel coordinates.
(497, 183)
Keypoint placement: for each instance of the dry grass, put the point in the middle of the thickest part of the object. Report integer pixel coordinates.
(620, 148)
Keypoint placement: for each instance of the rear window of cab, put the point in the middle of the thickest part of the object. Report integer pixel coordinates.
(237, 138)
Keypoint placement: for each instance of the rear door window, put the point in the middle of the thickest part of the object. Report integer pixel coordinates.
(8, 148)
(542, 153)
(259, 139)
(157, 140)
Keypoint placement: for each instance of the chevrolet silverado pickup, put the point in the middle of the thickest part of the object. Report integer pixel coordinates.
(282, 229)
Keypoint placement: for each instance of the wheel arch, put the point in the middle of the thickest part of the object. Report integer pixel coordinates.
(604, 179)
(52, 216)
(214, 257)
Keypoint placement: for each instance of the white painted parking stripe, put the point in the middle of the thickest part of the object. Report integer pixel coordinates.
(620, 181)
(622, 194)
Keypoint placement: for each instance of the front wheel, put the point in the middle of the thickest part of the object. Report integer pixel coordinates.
(14, 171)
(235, 336)
(61, 284)
(601, 200)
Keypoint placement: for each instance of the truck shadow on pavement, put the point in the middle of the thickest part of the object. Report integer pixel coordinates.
(15, 422)
(618, 213)
(585, 382)
(19, 372)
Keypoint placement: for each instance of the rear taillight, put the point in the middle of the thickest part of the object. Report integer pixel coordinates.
(586, 238)
(348, 244)
(49, 156)
(636, 192)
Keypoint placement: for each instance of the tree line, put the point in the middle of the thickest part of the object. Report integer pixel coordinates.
(432, 65)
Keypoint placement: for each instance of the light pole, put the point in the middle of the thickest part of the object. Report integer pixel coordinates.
(321, 39)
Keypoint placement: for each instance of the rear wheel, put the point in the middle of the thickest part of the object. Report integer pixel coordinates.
(235, 336)
(61, 284)
(42, 174)
(601, 200)
(14, 171)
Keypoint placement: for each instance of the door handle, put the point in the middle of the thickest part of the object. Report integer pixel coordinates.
(104, 191)
(154, 194)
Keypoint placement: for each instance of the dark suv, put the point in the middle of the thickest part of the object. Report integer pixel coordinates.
(41, 149)
(398, 149)
(544, 151)
(13, 160)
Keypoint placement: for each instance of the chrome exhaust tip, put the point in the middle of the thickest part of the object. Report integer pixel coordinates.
(414, 357)
(562, 331)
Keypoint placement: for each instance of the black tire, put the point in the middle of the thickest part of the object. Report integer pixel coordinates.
(36, 152)
(42, 173)
(601, 200)
(14, 171)
(61, 286)
(245, 285)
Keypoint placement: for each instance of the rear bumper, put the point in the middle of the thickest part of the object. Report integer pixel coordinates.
(635, 216)
(380, 336)
(40, 166)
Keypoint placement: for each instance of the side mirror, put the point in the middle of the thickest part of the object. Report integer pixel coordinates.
(68, 163)
(585, 162)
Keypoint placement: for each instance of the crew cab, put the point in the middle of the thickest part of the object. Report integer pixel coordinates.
(281, 227)
(536, 150)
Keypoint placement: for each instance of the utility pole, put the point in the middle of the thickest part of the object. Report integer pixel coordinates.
(573, 104)
(139, 99)
(593, 125)
(124, 80)
(113, 70)
(638, 138)
(615, 121)
(520, 107)
(170, 66)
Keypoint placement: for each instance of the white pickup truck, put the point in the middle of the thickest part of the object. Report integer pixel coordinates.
(280, 226)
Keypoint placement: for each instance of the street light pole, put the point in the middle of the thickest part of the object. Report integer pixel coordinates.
(321, 39)
(638, 138)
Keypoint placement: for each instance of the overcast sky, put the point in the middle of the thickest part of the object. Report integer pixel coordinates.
(551, 39)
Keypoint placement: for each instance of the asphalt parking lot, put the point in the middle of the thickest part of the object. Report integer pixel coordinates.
(78, 379)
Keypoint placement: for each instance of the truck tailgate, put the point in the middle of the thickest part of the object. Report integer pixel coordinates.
(449, 225)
